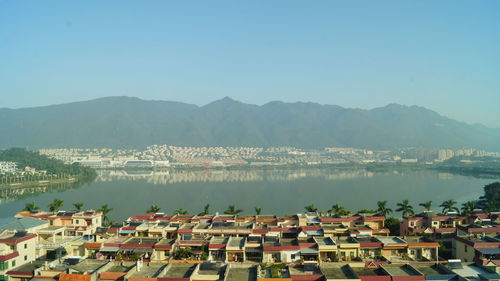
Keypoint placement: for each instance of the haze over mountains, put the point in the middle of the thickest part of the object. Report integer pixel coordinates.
(125, 122)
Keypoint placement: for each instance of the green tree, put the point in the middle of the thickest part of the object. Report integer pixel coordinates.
(405, 208)
(366, 211)
(206, 210)
(180, 211)
(338, 210)
(30, 207)
(258, 210)
(153, 209)
(449, 206)
(311, 208)
(183, 253)
(231, 210)
(382, 208)
(34, 159)
(393, 225)
(105, 210)
(55, 205)
(78, 206)
(468, 207)
(426, 205)
(490, 201)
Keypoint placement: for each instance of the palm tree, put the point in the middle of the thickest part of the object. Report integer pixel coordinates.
(30, 207)
(426, 205)
(78, 206)
(382, 208)
(105, 210)
(339, 210)
(231, 210)
(55, 205)
(206, 209)
(311, 208)
(468, 207)
(180, 211)
(153, 209)
(405, 208)
(258, 210)
(449, 206)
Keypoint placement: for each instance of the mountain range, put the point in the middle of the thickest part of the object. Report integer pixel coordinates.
(127, 122)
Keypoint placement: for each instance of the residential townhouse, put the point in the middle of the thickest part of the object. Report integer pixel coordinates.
(16, 248)
(482, 249)
(443, 226)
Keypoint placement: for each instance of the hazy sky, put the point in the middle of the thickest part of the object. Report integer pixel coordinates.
(444, 55)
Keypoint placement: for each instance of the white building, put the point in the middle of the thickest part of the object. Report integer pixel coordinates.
(7, 167)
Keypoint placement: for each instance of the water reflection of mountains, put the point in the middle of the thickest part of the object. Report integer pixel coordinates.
(189, 176)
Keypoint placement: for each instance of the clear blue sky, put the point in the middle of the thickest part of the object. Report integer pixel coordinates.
(444, 55)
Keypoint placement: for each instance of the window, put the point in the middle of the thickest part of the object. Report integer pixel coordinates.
(13, 263)
(25, 258)
(465, 248)
(3, 265)
(293, 256)
(26, 246)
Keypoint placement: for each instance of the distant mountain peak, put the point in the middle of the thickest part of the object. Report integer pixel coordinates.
(224, 102)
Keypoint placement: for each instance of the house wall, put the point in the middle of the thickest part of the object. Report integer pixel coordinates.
(286, 256)
(463, 251)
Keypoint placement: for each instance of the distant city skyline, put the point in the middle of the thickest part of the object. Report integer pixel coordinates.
(442, 55)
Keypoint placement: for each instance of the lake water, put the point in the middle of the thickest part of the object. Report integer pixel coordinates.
(275, 191)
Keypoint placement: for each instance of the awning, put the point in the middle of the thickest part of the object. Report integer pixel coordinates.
(253, 250)
(490, 251)
(142, 250)
(309, 251)
(109, 249)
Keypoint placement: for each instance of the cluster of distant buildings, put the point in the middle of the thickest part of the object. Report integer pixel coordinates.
(73, 245)
(8, 167)
(167, 155)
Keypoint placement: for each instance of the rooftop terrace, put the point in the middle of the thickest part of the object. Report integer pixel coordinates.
(334, 271)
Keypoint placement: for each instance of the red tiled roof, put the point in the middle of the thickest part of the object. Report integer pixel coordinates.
(374, 218)
(92, 245)
(9, 256)
(18, 240)
(216, 246)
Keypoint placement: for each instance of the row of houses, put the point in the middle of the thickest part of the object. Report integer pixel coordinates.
(440, 225)
(96, 270)
(42, 241)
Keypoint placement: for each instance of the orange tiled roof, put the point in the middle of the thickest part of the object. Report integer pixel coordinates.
(74, 277)
(111, 275)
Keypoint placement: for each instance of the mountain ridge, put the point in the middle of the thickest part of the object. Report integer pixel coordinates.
(129, 122)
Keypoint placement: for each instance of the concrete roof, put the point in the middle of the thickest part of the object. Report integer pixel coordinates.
(88, 266)
(209, 269)
(149, 270)
(179, 270)
(241, 272)
(336, 271)
(400, 270)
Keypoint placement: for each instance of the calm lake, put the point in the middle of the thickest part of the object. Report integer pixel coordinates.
(275, 191)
